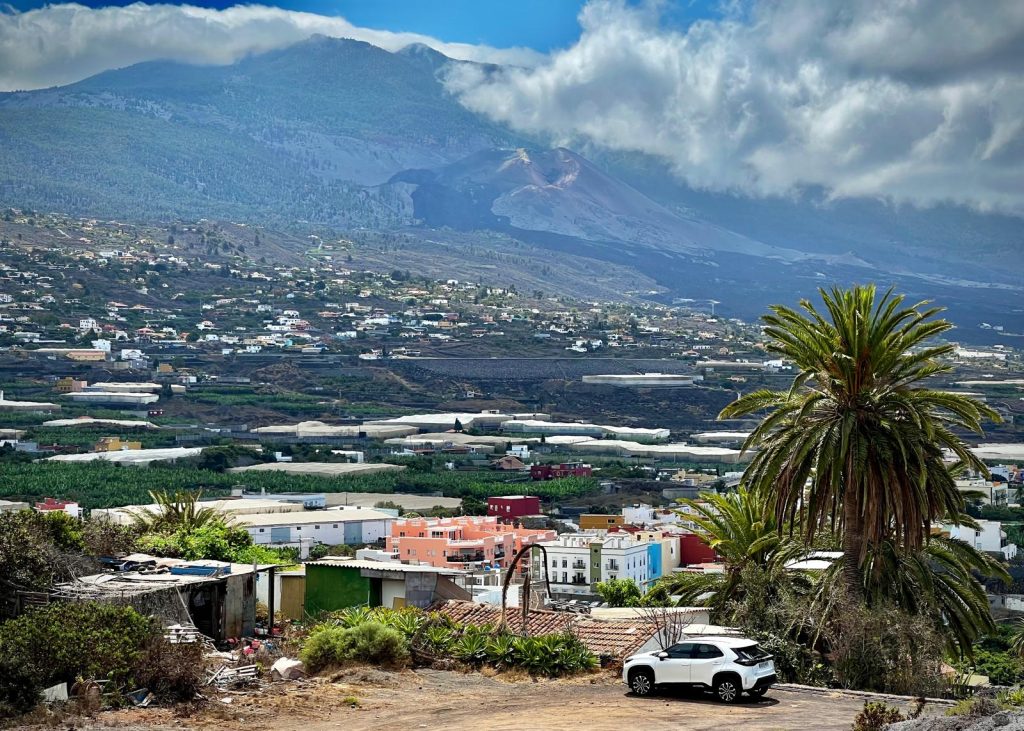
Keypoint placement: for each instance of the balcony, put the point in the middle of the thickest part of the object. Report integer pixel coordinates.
(580, 580)
(579, 564)
(612, 566)
(466, 558)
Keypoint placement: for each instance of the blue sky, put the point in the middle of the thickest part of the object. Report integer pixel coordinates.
(543, 25)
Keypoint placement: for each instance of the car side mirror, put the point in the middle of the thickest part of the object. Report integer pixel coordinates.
(662, 655)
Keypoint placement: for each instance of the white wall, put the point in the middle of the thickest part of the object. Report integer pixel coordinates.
(374, 530)
(391, 589)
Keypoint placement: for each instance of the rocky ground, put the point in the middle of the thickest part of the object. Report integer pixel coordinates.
(363, 699)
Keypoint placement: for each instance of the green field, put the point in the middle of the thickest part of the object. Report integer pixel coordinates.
(106, 485)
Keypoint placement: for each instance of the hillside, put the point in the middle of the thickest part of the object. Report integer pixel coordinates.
(288, 135)
(337, 136)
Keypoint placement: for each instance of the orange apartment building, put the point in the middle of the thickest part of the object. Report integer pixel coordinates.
(465, 542)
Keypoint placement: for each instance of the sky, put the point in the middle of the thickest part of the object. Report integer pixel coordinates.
(918, 101)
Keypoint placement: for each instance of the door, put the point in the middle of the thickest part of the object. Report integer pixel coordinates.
(676, 667)
(353, 533)
(704, 663)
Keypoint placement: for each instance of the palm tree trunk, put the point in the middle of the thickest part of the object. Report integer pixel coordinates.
(853, 546)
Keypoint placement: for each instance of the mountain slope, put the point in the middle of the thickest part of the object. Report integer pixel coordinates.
(295, 133)
(559, 192)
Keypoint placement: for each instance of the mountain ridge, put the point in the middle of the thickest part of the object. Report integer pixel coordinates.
(338, 134)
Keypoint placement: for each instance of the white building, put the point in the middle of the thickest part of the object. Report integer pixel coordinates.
(989, 537)
(335, 526)
(577, 562)
(989, 493)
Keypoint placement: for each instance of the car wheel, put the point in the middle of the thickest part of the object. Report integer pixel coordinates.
(728, 690)
(641, 682)
(757, 692)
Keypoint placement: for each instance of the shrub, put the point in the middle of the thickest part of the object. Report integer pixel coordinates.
(619, 592)
(19, 691)
(1002, 668)
(978, 707)
(172, 672)
(326, 646)
(1012, 699)
(374, 643)
(876, 716)
(886, 650)
(367, 641)
(63, 641)
(553, 655)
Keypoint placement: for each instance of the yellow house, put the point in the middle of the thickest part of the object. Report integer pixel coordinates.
(69, 385)
(599, 521)
(115, 444)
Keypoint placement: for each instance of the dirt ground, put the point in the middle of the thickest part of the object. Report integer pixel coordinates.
(370, 700)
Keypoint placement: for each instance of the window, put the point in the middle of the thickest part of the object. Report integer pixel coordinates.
(751, 652)
(565, 563)
(706, 652)
(298, 527)
(316, 527)
(261, 530)
(335, 525)
(681, 651)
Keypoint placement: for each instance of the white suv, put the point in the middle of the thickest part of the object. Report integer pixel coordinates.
(729, 666)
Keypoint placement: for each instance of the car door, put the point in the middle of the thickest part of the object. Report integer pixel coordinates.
(704, 662)
(676, 667)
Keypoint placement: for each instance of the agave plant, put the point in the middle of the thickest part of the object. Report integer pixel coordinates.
(436, 639)
(354, 616)
(406, 621)
(501, 650)
(471, 648)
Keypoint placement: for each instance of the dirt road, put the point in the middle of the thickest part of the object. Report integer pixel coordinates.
(370, 700)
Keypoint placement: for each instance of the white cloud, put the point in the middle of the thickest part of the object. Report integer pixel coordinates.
(60, 44)
(919, 101)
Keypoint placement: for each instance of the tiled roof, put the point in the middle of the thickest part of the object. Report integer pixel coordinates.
(615, 638)
(539, 622)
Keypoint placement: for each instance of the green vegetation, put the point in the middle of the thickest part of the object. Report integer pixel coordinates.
(390, 637)
(104, 485)
(859, 425)
(180, 528)
(619, 592)
(64, 642)
(369, 642)
(850, 457)
(36, 549)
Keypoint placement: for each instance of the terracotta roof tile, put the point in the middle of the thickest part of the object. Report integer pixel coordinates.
(614, 638)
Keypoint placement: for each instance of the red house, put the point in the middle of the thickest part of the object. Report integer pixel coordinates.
(555, 471)
(512, 507)
(694, 550)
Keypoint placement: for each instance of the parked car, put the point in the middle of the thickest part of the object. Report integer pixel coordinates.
(728, 666)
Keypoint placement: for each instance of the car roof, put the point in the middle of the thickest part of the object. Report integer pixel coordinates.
(722, 641)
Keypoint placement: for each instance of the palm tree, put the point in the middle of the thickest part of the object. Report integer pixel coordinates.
(174, 511)
(741, 528)
(856, 443)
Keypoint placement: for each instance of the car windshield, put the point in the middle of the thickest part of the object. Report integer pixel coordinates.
(751, 652)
